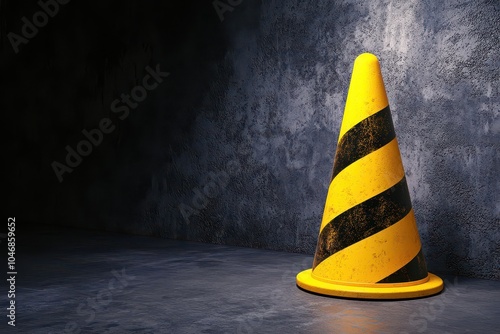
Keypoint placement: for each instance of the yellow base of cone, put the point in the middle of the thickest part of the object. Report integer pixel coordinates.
(307, 282)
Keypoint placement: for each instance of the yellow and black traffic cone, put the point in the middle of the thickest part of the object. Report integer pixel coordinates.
(368, 245)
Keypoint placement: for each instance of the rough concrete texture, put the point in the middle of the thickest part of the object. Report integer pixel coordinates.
(255, 102)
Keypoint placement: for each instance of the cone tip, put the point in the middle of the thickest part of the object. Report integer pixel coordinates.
(366, 59)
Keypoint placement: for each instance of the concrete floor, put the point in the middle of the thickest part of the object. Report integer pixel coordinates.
(72, 281)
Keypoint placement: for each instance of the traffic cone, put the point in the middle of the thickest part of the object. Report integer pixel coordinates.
(368, 245)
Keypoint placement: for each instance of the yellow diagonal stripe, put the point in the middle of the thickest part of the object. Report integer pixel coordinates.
(374, 258)
(366, 94)
(363, 179)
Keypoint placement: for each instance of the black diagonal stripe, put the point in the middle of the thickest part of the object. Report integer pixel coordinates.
(365, 137)
(363, 220)
(414, 270)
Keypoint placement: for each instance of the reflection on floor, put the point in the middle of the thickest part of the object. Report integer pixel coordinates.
(79, 281)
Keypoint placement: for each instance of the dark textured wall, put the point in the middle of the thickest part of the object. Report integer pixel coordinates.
(236, 144)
